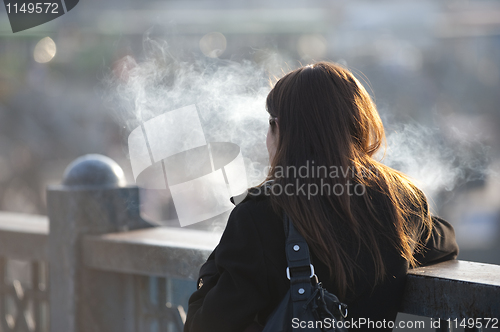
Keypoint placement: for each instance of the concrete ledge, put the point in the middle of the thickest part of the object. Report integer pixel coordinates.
(453, 289)
(23, 236)
(160, 251)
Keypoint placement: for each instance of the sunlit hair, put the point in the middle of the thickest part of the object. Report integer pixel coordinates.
(326, 116)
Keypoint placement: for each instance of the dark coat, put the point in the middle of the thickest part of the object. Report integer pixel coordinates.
(244, 278)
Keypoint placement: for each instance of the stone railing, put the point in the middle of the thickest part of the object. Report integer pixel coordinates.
(94, 265)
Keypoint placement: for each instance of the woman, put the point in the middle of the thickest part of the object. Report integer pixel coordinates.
(364, 222)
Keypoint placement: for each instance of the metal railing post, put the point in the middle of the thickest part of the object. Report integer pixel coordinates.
(93, 199)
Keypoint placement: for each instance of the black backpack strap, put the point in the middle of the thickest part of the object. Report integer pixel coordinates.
(300, 270)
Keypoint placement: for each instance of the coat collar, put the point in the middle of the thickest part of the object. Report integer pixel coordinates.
(257, 192)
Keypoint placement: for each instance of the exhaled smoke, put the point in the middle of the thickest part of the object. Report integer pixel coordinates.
(213, 100)
(229, 97)
(230, 100)
(434, 161)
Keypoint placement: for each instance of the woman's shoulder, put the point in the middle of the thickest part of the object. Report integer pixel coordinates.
(256, 200)
(255, 214)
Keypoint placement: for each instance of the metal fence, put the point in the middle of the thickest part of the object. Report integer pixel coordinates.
(94, 265)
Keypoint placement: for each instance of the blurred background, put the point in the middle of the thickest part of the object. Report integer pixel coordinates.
(433, 68)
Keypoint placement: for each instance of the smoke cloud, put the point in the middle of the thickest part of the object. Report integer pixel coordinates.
(436, 162)
(229, 96)
(230, 100)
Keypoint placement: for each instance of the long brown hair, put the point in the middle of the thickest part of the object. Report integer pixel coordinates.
(327, 121)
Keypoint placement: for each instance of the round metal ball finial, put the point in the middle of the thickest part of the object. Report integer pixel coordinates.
(94, 170)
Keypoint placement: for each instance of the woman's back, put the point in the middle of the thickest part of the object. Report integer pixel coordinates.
(364, 222)
(251, 254)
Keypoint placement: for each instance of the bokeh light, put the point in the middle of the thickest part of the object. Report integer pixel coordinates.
(312, 47)
(213, 44)
(45, 50)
